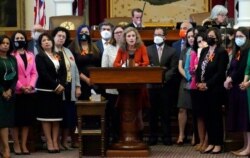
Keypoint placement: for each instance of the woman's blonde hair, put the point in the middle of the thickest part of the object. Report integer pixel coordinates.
(138, 41)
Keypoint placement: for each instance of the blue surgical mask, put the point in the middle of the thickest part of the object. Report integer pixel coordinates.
(240, 41)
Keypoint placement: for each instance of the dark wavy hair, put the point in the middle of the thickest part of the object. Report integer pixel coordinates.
(2, 37)
(195, 45)
(63, 29)
(39, 41)
(24, 35)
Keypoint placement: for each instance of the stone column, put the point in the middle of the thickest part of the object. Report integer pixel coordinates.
(63, 7)
(244, 16)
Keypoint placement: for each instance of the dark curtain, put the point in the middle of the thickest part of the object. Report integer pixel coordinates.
(78, 6)
(97, 11)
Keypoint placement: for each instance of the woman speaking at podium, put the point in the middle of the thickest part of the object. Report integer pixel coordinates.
(133, 53)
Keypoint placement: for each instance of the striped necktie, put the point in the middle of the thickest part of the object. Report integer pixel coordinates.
(159, 53)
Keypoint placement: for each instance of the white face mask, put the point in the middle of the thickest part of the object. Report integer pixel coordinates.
(106, 35)
(158, 40)
(36, 35)
(240, 41)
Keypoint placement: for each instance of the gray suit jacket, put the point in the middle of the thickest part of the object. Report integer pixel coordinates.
(169, 60)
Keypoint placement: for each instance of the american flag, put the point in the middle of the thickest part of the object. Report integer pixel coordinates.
(39, 12)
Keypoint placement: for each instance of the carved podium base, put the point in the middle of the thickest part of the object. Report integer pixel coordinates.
(127, 153)
(129, 145)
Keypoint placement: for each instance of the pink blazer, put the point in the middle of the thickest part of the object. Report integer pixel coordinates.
(28, 76)
(192, 69)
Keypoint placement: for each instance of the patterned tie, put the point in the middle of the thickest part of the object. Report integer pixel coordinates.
(159, 53)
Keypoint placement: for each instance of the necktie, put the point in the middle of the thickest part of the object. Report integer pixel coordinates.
(159, 53)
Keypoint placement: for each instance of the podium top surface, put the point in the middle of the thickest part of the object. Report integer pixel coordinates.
(133, 75)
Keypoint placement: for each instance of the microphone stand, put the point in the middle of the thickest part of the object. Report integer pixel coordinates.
(127, 60)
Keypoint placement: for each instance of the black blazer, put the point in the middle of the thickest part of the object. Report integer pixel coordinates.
(237, 70)
(215, 72)
(48, 78)
(131, 25)
(169, 60)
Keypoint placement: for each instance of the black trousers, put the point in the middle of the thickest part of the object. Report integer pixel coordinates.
(160, 110)
(112, 117)
(211, 110)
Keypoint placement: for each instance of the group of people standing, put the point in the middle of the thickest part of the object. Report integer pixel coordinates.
(44, 86)
(214, 74)
(200, 69)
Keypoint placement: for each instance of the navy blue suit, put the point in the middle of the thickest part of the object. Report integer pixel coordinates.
(177, 46)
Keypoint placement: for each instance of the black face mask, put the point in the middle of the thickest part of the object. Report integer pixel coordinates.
(19, 44)
(84, 37)
(211, 41)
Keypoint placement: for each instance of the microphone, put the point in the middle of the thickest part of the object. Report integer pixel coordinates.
(131, 54)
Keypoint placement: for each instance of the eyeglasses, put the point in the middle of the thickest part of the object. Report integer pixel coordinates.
(118, 32)
(223, 15)
(239, 36)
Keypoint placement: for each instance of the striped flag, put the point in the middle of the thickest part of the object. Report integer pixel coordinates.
(39, 12)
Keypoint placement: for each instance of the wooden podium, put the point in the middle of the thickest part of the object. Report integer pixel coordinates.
(129, 82)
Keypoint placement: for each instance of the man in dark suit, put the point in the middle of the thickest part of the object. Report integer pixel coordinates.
(136, 18)
(160, 54)
(106, 35)
(179, 45)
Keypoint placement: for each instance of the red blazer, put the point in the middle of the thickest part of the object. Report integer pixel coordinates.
(28, 76)
(141, 57)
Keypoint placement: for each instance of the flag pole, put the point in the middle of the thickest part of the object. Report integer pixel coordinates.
(86, 12)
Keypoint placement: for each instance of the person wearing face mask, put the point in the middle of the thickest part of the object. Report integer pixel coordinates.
(25, 92)
(238, 113)
(136, 18)
(86, 55)
(180, 44)
(35, 33)
(112, 112)
(160, 54)
(106, 35)
(210, 75)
